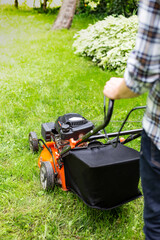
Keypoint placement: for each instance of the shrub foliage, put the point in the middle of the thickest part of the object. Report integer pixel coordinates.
(108, 42)
(116, 7)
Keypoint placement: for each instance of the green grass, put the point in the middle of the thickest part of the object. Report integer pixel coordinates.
(40, 79)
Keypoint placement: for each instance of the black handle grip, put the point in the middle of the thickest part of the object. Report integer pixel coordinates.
(107, 117)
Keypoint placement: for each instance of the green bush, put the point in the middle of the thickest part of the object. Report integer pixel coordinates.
(109, 7)
(108, 42)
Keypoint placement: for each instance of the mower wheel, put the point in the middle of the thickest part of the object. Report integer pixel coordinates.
(47, 176)
(33, 142)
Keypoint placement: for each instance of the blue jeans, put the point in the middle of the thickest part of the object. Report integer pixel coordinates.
(150, 177)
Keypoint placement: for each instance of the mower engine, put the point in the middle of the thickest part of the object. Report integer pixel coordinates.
(71, 125)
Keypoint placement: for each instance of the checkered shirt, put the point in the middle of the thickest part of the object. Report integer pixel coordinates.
(143, 66)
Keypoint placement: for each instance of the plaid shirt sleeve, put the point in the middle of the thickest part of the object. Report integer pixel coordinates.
(143, 66)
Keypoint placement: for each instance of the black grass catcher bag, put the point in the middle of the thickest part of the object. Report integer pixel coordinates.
(102, 176)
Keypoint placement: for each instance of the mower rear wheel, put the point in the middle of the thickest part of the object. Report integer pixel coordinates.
(47, 176)
(33, 142)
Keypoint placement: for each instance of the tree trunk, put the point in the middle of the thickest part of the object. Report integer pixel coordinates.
(16, 3)
(44, 5)
(66, 14)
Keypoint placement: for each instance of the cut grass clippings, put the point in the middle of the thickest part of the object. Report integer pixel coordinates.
(41, 79)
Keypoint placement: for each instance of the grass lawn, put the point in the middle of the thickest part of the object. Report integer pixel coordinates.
(41, 79)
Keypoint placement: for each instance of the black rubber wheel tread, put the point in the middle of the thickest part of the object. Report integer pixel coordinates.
(33, 142)
(47, 176)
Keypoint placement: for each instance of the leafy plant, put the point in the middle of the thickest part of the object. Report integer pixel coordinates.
(108, 42)
(109, 7)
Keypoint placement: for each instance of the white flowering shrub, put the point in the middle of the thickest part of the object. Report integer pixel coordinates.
(93, 4)
(108, 42)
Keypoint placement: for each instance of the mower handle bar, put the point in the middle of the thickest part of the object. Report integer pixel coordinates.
(96, 129)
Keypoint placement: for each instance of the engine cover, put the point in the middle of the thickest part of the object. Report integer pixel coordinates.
(72, 125)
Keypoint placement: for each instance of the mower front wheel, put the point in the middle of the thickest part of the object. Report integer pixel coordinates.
(47, 176)
(33, 142)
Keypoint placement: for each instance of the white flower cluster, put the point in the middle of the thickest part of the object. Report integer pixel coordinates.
(108, 42)
(92, 4)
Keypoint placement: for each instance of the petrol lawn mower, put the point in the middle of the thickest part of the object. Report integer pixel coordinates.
(103, 175)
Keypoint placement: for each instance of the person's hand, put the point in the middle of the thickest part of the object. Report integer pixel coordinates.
(116, 88)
